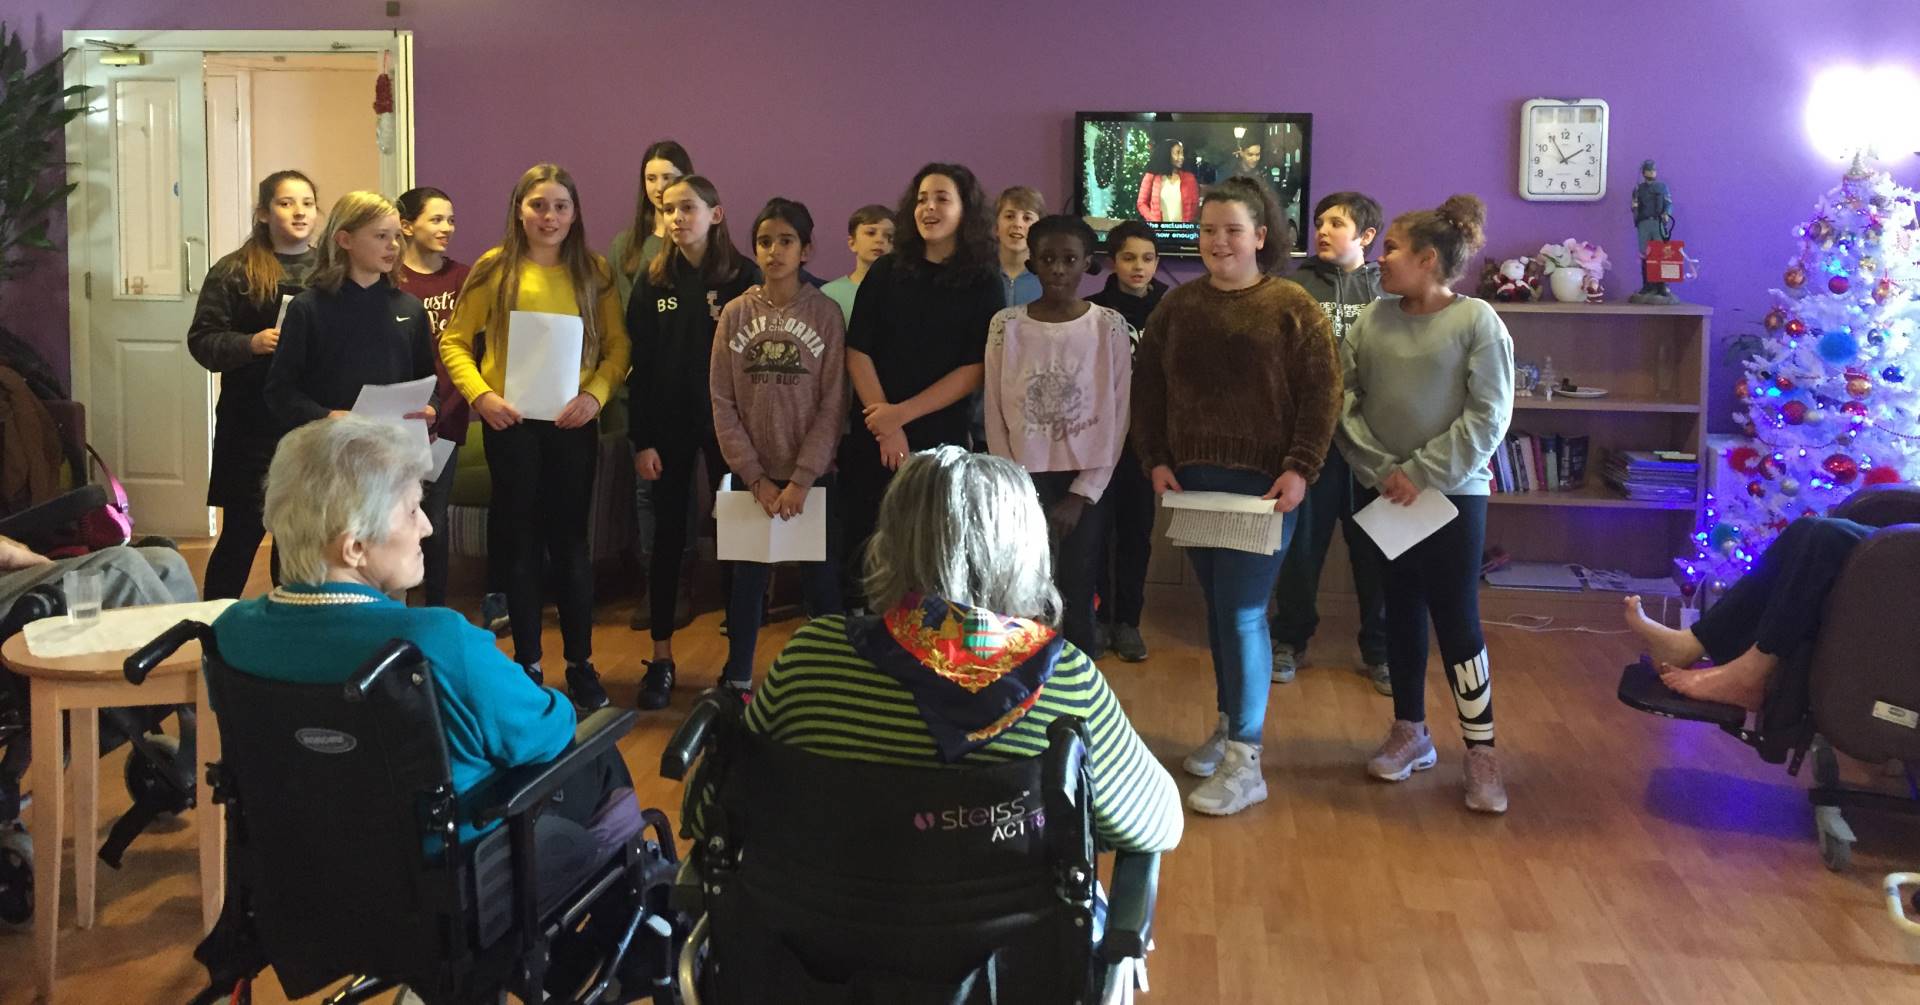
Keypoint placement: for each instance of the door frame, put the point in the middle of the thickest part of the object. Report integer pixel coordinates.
(80, 45)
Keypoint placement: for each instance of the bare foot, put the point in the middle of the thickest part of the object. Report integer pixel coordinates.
(1666, 645)
(1742, 682)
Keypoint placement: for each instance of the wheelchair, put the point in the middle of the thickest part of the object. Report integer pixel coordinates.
(1855, 689)
(826, 880)
(345, 859)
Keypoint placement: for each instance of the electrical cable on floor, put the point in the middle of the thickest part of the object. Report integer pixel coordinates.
(1541, 623)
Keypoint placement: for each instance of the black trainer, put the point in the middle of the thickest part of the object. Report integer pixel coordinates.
(656, 688)
(741, 689)
(533, 671)
(493, 615)
(583, 686)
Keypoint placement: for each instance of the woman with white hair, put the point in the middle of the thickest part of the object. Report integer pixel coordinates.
(962, 662)
(343, 504)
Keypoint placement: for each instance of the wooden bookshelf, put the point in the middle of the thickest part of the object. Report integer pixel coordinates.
(1654, 363)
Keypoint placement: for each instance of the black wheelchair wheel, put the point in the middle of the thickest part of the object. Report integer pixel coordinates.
(144, 779)
(16, 877)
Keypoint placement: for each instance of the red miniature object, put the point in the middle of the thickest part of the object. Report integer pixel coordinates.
(1666, 261)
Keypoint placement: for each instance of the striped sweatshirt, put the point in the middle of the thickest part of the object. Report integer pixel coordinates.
(822, 697)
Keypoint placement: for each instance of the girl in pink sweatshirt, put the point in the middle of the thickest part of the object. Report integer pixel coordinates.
(1057, 381)
(778, 379)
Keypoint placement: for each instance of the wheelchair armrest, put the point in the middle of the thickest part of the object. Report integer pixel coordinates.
(36, 523)
(517, 790)
(691, 737)
(1136, 888)
(144, 659)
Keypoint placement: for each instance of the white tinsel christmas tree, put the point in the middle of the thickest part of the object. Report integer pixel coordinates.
(1830, 401)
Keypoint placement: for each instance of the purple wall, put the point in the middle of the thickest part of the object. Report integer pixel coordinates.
(838, 103)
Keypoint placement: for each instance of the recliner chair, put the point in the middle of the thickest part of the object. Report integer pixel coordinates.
(827, 880)
(1860, 693)
(344, 854)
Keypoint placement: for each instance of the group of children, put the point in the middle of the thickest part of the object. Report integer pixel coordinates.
(961, 324)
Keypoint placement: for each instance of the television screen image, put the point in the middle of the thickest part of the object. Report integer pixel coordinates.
(1155, 166)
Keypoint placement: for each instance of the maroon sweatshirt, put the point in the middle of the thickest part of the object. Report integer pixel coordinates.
(438, 292)
(779, 385)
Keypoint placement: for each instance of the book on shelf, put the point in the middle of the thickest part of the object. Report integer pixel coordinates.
(1525, 462)
(1653, 475)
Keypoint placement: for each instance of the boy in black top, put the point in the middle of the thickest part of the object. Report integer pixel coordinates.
(1340, 277)
(1134, 292)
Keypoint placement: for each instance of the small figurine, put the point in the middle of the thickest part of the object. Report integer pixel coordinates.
(1511, 281)
(1652, 222)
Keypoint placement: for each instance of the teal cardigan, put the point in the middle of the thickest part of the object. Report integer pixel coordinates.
(495, 717)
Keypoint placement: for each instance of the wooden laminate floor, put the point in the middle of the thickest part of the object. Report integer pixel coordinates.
(1642, 860)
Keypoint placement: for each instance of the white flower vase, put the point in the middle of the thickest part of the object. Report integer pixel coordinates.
(1569, 285)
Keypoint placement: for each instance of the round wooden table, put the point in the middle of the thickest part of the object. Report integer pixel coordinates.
(80, 686)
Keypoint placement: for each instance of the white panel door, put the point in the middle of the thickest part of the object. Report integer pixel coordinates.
(143, 194)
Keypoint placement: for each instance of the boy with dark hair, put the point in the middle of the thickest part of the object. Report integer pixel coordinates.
(869, 235)
(1133, 291)
(1341, 278)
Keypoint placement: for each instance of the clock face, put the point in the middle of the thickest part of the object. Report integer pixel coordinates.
(1566, 151)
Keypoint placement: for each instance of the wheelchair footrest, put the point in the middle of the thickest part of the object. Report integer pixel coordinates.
(1641, 688)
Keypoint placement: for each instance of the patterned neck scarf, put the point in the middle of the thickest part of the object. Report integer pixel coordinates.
(972, 673)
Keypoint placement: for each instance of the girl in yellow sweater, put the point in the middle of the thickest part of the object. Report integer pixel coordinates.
(542, 470)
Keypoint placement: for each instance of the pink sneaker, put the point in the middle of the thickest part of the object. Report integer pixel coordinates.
(1486, 793)
(1408, 748)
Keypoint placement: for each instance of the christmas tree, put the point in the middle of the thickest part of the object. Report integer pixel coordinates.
(1829, 401)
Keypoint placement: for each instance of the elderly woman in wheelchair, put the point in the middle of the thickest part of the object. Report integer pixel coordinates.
(556, 893)
(907, 809)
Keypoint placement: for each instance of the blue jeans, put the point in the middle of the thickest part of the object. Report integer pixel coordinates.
(1236, 585)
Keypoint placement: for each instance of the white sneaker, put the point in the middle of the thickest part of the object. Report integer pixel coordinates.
(1205, 758)
(1234, 789)
(1408, 748)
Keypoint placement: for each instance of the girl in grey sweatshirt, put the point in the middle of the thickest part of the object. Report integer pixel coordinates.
(1429, 391)
(778, 378)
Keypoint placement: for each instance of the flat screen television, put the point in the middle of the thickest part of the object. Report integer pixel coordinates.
(1154, 166)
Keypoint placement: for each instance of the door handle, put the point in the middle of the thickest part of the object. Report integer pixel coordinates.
(186, 264)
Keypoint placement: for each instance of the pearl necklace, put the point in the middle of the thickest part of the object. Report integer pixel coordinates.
(282, 595)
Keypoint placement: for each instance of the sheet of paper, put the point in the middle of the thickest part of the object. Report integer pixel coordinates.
(123, 628)
(747, 534)
(392, 402)
(1224, 520)
(281, 321)
(1396, 528)
(543, 362)
(1219, 502)
(442, 449)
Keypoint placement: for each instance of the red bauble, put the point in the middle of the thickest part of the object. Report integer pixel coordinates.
(1745, 460)
(1844, 469)
(1795, 412)
(1854, 409)
(1796, 327)
(1740, 389)
(1883, 290)
(1783, 382)
(1777, 524)
(1774, 319)
(1838, 285)
(1881, 476)
(1770, 468)
(1757, 489)
(1796, 276)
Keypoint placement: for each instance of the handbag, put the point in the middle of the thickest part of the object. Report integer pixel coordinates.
(111, 524)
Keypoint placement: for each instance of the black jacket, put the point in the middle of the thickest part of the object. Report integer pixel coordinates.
(668, 398)
(333, 344)
(1134, 309)
(1341, 294)
(245, 430)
